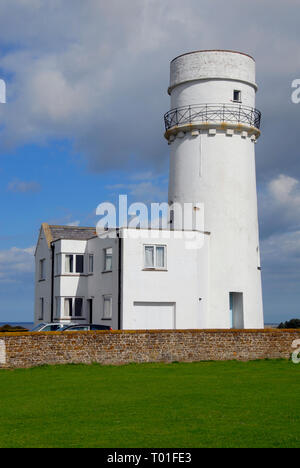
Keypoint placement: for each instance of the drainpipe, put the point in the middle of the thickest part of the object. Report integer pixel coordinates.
(52, 281)
(120, 281)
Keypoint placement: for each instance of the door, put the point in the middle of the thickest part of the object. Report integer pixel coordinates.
(153, 316)
(236, 310)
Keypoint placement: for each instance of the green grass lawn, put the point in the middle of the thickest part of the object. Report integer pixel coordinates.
(208, 404)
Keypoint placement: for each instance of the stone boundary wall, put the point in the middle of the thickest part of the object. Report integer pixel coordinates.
(22, 350)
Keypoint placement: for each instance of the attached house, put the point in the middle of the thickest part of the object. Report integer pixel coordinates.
(128, 280)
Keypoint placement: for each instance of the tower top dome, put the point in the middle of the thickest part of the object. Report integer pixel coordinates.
(212, 65)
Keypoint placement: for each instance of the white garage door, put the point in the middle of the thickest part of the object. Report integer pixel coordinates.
(153, 316)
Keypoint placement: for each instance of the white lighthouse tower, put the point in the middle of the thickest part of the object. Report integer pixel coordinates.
(212, 129)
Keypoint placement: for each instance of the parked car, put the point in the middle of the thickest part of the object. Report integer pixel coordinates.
(49, 327)
(86, 327)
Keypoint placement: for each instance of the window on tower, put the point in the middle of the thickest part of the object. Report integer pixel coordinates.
(237, 96)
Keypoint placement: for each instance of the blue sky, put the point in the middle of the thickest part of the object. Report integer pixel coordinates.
(86, 91)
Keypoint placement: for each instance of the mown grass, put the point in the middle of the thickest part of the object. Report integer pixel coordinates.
(208, 404)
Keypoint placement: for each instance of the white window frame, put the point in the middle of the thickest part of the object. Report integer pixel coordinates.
(155, 267)
(69, 256)
(58, 263)
(105, 257)
(41, 309)
(42, 273)
(91, 263)
(73, 316)
(74, 261)
(107, 297)
(57, 307)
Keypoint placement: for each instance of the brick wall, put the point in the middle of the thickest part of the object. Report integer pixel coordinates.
(35, 349)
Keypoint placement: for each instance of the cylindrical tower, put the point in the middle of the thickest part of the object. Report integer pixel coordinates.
(212, 130)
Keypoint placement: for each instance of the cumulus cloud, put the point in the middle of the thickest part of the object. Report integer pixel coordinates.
(281, 201)
(23, 187)
(143, 187)
(280, 246)
(281, 254)
(74, 223)
(279, 205)
(16, 263)
(96, 72)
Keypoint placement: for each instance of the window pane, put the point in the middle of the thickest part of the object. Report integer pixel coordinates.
(149, 257)
(69, 264)
(160, 257)
(107, 313)
(78, 307)
(68, 307)
(42, 269)
(108, 263)
(108, 259)
(79, 263)
(91, 264)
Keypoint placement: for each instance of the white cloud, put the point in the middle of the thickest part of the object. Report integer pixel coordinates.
(16, 262)
(280, 246)
(281, 259)
(143, 187)
(97, 72)
(74, 223)
(279, 205)
(286, 190)
(23, 187)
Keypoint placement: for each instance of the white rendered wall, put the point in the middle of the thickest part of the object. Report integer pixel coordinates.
(42, 288)
(203, 65)
(211, 92)
(102, 283)
(219, 171)
(183, 283)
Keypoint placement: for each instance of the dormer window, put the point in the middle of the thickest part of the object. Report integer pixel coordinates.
(237, 96)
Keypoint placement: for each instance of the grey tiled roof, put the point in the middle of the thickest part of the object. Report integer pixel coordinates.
(72, 232)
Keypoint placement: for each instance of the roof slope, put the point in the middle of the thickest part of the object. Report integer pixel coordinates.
(72, 232)
(54, 233)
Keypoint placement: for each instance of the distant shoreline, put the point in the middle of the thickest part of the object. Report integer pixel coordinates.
(28, 325)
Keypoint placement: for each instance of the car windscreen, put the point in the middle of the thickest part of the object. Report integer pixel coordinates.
(51, 328)
(38, 327)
